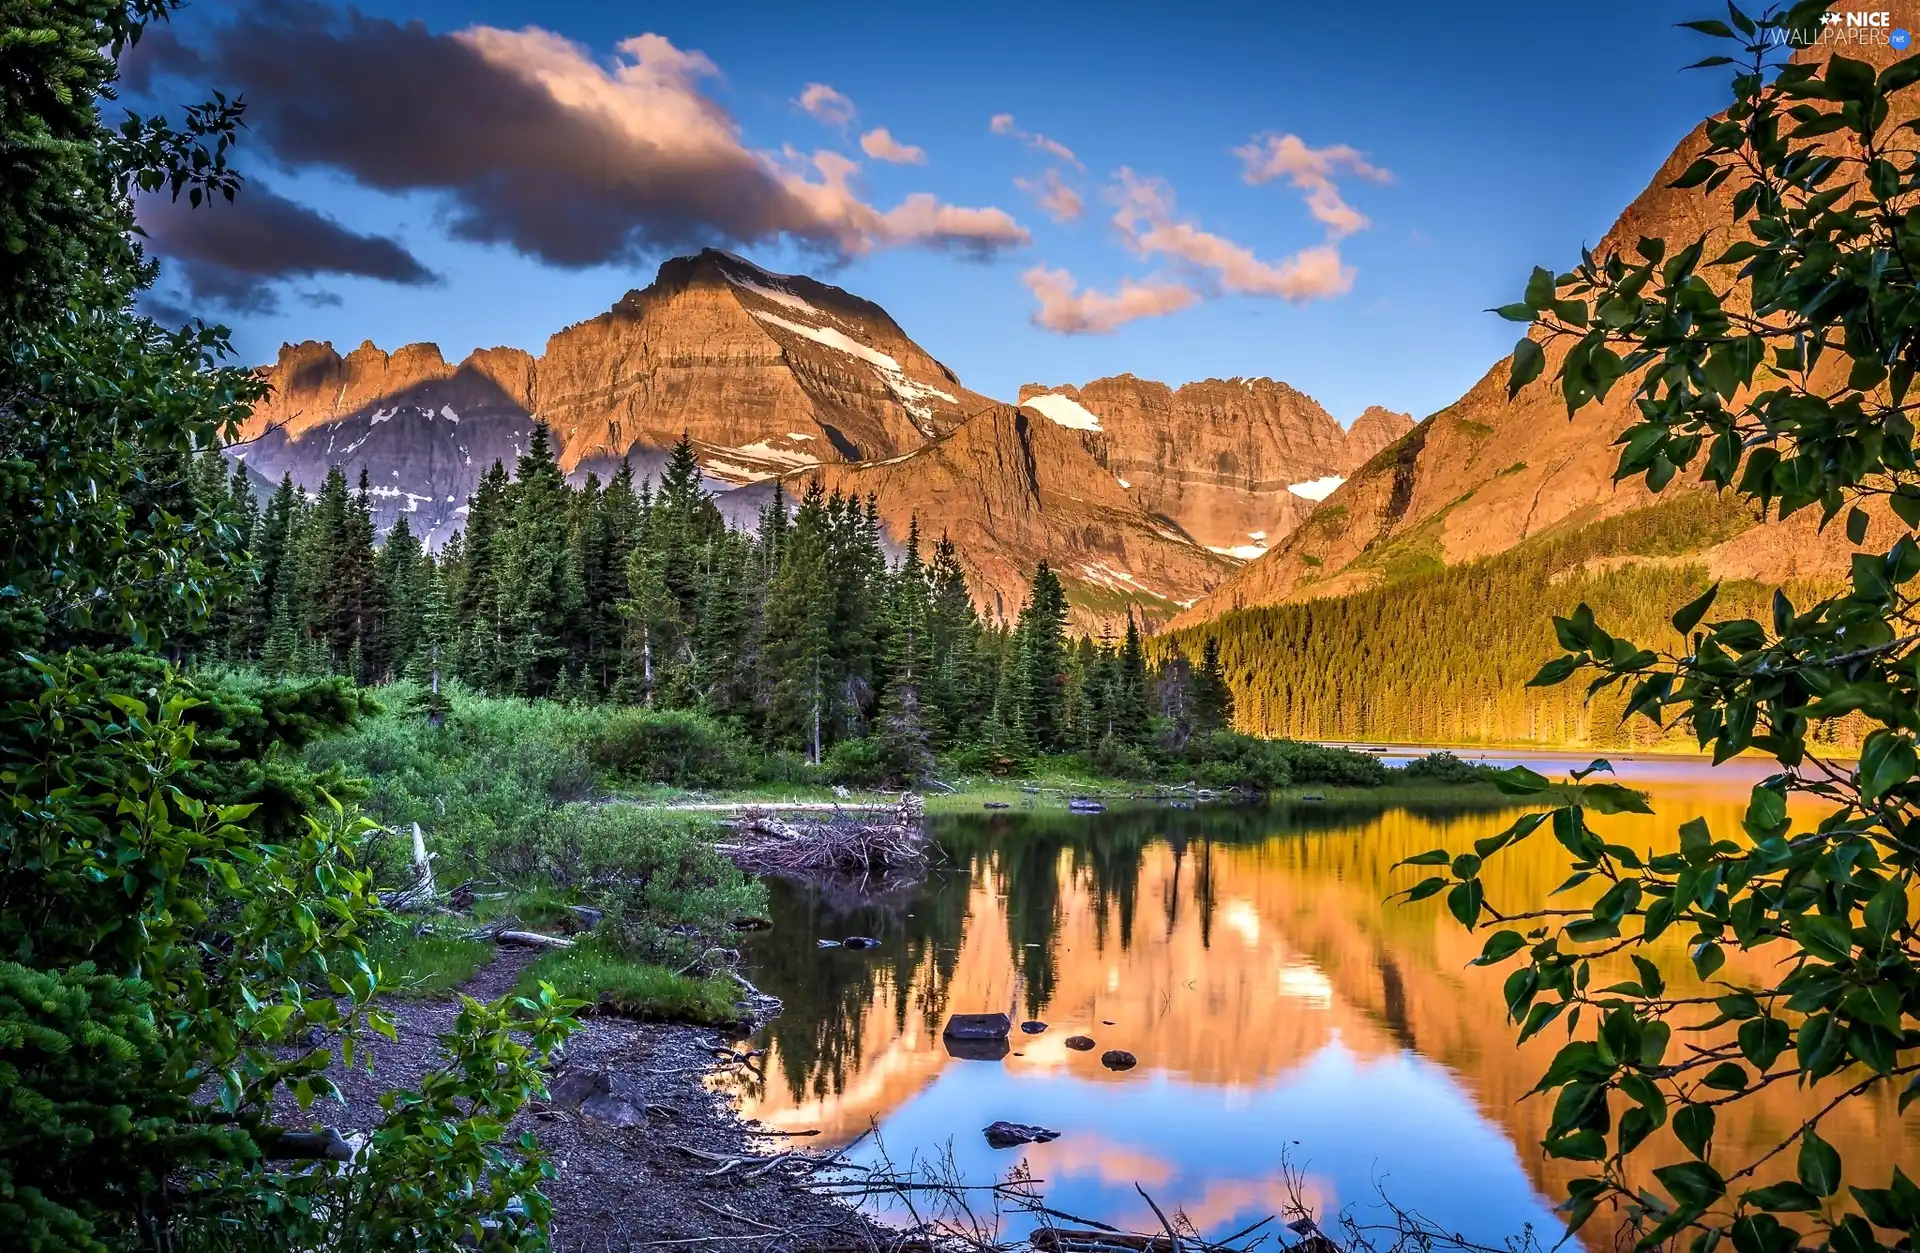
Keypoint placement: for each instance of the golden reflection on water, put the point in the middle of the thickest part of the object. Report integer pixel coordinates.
(1232, 952)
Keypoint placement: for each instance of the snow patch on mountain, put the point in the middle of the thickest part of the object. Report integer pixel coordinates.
(777, 296)
(1316, 489)
(1064, 410)
(832, 339)
(1113, 580)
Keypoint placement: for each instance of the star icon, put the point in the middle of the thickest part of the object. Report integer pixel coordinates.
(1829, 18)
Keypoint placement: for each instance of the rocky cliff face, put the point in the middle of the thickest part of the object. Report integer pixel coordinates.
(1013, 488)
(1487, 472)
(766, 372)
(1236, 464)
(423, 430)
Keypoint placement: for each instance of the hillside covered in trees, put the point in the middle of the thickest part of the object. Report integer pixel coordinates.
(1442, 655)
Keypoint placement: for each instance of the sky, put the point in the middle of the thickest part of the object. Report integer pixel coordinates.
(1330, 195)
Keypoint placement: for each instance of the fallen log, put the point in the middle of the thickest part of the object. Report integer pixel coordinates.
(533, 939)
(421, 893)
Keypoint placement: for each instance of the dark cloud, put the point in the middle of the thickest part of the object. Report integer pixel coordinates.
(539, 145)
(235, 254)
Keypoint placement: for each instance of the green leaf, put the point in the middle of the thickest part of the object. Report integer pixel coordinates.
(1529, 360)
(1719, 30)
(1886, 761)
(1689, 615)
(1519, 781)
(1612, 798)
(1786, 1196)
(1727, 1077)
(1432, 857)
(1828, 938)
(1693, 1124)
(1516, 312)
(1819, 1165)
(1465, 900)
(1500, 946)
(1692, 1183)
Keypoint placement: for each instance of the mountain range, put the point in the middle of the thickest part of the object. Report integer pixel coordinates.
(1178, 504)
(1145, 497)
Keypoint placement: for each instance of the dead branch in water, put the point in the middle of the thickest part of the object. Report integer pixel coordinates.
(839, 842)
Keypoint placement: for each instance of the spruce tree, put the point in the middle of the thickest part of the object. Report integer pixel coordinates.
(800, 613)
(538, 596)
(1212, 697)
(401, 574)
(1042, 657)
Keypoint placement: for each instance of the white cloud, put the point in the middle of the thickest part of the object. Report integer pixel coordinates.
(1002, 124)
(824, 103)
(1312, 170)
(882, 146)
(1072, 312)
(1058, 200)
(1146, 217)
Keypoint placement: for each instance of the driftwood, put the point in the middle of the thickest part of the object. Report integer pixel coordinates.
(325, 1144)
(421, 894)
(533, 939)
(841, 841)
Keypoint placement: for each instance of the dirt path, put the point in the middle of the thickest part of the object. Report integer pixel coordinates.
(638, 1142)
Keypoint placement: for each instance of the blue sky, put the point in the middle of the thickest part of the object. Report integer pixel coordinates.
(1511, 134)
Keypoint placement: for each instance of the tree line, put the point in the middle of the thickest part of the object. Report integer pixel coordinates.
(800, 631)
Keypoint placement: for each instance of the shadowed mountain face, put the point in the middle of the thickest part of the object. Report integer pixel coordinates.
(1487, 472)
(1236, 464)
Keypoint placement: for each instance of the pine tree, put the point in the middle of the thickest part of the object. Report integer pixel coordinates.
(1212, 697)
(1134, 707)
(800, 615)
(475, 593)
(401, 575)
(539, 598)
(1041, 680)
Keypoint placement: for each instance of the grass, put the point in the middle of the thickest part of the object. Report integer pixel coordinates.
(635, 989)
(423, 967)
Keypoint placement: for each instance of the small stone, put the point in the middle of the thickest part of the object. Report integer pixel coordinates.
(826, 944)
(1080, 1044)
(1006, 1135)
(859, 941)
(1033, 1027)
(1118, 1059)
(996, 805)
(1106, 1022)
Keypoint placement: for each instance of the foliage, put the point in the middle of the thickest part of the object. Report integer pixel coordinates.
(678, 747)
(1785, 382)
(1446, 767)
(600, 974)
(182, 906)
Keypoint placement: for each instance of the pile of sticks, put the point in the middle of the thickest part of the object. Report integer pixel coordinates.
(836, 842)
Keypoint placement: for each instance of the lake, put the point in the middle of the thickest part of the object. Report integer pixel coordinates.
(1289, 1020)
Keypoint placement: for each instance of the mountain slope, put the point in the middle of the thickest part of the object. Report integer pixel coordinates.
(1487, 472)
(1234, 463)
(766, 372)
(1011, 488)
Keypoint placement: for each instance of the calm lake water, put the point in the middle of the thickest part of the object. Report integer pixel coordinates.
(1285, 1013)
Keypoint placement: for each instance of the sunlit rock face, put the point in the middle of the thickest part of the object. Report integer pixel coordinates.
(1236, 464)
(1012, 488)
(766, 372)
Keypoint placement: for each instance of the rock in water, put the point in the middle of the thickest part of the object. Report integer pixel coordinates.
(1118, 1059)
(859, 941)
(1080, 1043)
(826, 944)
(978, 1027)
(1006, 1135)
(1033, 1027)
(964, 1049)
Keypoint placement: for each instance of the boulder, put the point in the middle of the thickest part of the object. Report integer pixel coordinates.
(978, 1027)
(1080, 1043)
(1006, 1135)
(1118, 1059)
(859, 942)
(1033, 1027)
(966, 1050)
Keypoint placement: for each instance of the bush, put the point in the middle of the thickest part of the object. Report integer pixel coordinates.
(667, 894)
(669, 746)
(1445, 767)
(1229, 759)
(856, 763)
(1116, 760)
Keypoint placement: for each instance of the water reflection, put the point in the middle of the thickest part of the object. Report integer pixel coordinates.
(1281, 1008)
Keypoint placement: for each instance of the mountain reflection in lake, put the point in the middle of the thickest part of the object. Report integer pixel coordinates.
(1280, 1006)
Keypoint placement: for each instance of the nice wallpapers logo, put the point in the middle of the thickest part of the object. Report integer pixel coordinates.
(1864, 29)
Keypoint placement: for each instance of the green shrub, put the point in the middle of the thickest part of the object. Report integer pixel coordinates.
(856, 763)
(1117, 760)
(1335, 767)
(1445, 767)
(669, 746)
